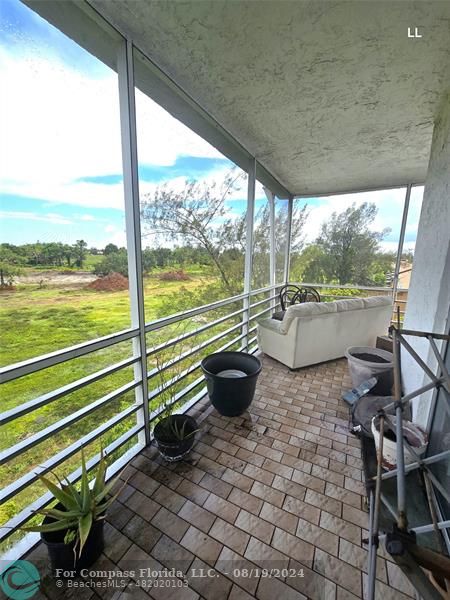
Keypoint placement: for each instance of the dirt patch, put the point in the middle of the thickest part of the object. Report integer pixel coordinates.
(174, 276)
(114, 282)
(56, 278)
(6, 287)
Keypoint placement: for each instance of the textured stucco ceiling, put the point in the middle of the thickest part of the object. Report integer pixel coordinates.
(329, 96)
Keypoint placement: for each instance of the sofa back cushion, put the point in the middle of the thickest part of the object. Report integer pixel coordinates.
(308, 309)
(312, 309)
(373, 301)
(349, 304)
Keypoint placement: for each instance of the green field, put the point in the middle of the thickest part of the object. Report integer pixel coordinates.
(35, 320)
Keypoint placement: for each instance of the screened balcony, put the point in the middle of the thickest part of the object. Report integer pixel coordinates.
(282, 485)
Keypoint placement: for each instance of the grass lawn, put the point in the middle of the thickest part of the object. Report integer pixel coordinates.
(35, 321)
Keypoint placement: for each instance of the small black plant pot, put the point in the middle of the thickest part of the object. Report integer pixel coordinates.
(231, 394)
(62, 555)
(170, 447)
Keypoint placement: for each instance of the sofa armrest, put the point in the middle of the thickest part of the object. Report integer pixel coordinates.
(272, 324)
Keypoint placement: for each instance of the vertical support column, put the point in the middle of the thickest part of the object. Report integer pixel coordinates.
(400, 243)
(287, 256)
(250, 218)
(133, 227)
(272, 246)
(429, 289)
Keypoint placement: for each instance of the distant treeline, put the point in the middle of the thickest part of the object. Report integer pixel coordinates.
(112, 258)
(116, 259)
(47, 254)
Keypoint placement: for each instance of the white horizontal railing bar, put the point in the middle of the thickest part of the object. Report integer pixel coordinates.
(192, 351)
(32, 365)
(184, 392)
(161, 409)
(194, 332)
(265, 289)
(263, 312)
(330, 286)
(193, 312)
(190, 403)
(158, 391)
(38, 363)
(28, 407)
(263, 301)
(40, 436)
(21, 518)
(162, 388)
(17, 486)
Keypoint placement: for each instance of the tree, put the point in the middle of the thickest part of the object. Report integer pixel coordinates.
(261, 240)
(307, 266)
(110, 249)
(79, 248)
(115, 262)
(232, 236)
(348, 246)
(191, 215)
(68, 254)
(10, 263)
(197, 216)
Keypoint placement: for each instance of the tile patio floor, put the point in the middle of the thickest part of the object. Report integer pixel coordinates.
(279, 488)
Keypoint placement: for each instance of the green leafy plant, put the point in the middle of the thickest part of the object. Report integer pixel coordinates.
(82, 508)
(179, 431)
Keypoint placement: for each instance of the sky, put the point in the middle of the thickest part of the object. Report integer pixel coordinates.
(60, 153)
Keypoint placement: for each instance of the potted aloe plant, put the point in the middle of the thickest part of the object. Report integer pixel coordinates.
(72, 530)
(175, 436)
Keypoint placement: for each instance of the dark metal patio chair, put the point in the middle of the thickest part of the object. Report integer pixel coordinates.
(293, 294)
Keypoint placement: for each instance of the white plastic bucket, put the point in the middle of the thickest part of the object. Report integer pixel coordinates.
(415, 436)
(363, 369)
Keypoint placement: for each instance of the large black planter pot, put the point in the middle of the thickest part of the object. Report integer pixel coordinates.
(231, 396)
(169, 446)
(62, 555)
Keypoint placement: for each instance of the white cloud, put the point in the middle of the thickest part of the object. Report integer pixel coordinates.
(115, 236)
(389, 204)
(53, 218)
(63, 125)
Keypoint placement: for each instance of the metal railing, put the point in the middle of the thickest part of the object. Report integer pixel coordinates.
(242, 323)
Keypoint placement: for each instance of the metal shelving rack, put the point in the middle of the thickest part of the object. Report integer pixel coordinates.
(401, 541)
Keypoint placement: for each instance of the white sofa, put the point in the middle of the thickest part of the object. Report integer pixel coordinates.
(314, 332)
